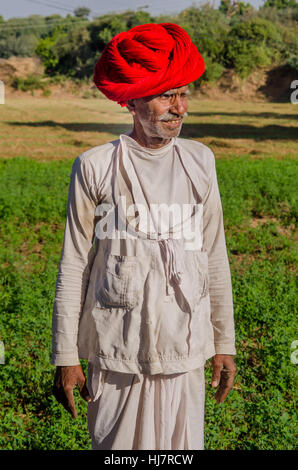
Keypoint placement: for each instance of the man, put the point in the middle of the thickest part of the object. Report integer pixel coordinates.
(146, 301)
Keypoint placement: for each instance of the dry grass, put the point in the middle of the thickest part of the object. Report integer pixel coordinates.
(46, 128)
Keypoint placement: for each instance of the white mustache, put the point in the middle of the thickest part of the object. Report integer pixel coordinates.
(171, 117)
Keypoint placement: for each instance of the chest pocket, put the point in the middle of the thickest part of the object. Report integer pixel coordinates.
(117, 286)
(201, 263)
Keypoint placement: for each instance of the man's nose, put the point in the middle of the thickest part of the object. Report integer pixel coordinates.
(180, 105)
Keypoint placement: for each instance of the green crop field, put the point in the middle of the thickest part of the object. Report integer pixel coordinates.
(256, 151)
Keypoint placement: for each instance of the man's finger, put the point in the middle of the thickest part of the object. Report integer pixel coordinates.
(216, 374)
(84, 392)
(69, 403)
(226, 384)
(61, 398)
(222, 393)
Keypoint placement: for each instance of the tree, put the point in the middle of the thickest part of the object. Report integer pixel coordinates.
(251, 44)
(234, 7)
(104, 28)
(207, 28)
(45, 49)
(280, 4)
(82, 12)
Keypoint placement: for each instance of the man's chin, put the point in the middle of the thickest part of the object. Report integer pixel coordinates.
(168, 133)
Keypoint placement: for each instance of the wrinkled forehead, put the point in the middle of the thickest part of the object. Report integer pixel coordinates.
(181, 89)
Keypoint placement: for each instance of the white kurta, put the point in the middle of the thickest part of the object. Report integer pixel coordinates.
(146, 313)
(145, 305)
(142, 411)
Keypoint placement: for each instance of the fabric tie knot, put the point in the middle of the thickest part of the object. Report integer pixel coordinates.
(171, 269)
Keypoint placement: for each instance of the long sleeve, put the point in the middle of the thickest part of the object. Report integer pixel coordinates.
(75, 264)
(220, 285)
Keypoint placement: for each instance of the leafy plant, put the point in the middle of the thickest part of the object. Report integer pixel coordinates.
(260, 411)
(250, 44)
(29, 83)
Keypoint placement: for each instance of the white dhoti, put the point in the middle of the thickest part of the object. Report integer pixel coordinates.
(146, 412)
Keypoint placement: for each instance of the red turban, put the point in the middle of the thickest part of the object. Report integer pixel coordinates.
(147, 60)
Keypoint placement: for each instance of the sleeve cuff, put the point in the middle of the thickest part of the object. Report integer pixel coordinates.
(65, 359)
(225, 349)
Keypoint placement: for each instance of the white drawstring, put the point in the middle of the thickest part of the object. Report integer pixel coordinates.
(171, 269)
(170, 251)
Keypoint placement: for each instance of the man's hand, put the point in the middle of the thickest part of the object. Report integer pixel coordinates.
(224, 371)
(66, 379)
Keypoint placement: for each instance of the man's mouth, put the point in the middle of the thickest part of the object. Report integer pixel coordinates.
(173, 122)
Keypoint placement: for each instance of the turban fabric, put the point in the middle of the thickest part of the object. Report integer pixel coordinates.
(147, 60)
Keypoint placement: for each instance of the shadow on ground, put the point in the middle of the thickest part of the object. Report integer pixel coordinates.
(231, 131)
(277, 87)
(258, 115)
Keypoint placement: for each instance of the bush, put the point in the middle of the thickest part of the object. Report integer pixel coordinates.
(20, 36)
(30, 83)
(280, 4)
(45, 51)
(213, 71)
(233, 36)
(292, 61)
(46, 92)
(208, 29)
(251, 44)
(289, 49)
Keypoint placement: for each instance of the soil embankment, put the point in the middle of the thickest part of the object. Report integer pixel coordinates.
(269, 84)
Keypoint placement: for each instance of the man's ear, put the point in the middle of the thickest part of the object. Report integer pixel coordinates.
(131, 106)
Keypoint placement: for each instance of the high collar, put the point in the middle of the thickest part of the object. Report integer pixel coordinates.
(147, 152)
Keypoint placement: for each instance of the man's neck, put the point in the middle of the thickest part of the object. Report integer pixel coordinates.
(149, 142)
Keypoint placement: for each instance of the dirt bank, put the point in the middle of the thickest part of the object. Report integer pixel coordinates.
(268, 84)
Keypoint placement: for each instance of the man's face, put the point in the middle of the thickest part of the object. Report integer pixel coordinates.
(161, 116)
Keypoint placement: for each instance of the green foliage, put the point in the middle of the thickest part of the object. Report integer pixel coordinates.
(259, 413)
(138, 17)
(75, 56)
(289, 49)
(213, 71)
(108, 27)
(82, 12)
(46, 92)
(280, 4)
(23, 45)
(233, 36)
(293, 62)
(45, 51)
(249, 45)
(75, 53)
(230, 8)
(20, 36)
(208, 29)
(30, 83)
(105, 27)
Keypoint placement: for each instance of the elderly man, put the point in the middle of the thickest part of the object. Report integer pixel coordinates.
(144, 288)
